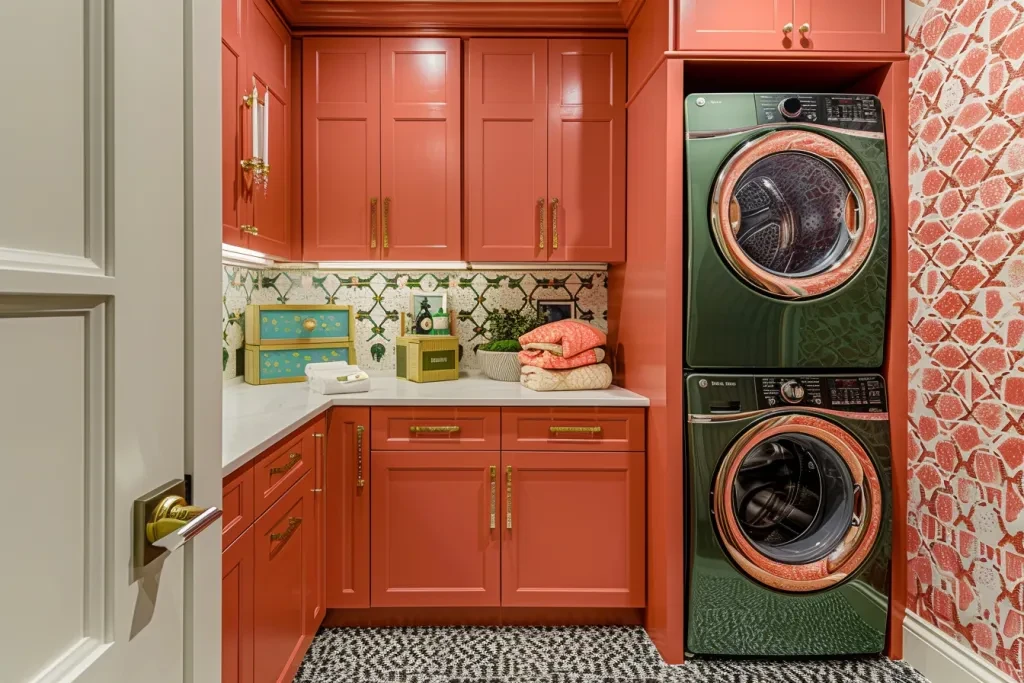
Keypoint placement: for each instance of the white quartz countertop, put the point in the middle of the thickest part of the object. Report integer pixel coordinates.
(257, 417)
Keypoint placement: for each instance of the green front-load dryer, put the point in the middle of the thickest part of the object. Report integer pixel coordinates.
(788, 515)
(787, 231)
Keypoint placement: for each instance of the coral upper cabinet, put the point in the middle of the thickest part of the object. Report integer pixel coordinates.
(382, 149)
(546, 150)
(256, 50)
(785, 25)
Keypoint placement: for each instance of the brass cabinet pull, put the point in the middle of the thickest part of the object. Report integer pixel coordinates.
(373, 222)
(359, 457)
(508, 496)
(293, 460)
(805, 29)
(554, 222)
(249, 229)
(293, 524)
(788, 28)
(576, 430)
(494, 493)
(543, 223)
(432, 429)
(309, 324)
(319, 436)
(387, 213)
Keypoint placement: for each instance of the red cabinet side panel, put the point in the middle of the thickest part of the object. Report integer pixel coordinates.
(237, 595)
(348, 507)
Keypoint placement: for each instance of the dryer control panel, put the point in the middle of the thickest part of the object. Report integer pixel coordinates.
(852, 394)
(848, 112)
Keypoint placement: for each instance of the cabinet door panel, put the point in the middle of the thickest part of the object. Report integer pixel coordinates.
(269, 59)
(736, 25)
(421, 152)
(587, 149)
(283, 543)
(341, 148)
(577, 536)
(348, 507)
(506, 149)
(235, 206)
(237, 619)
(432, 545)
(864, 26)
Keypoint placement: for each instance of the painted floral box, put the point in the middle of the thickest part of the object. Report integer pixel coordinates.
(267, 324)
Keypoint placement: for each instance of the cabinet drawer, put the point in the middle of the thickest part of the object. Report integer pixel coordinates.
(287, 324)
(275, 471)
(237, 505)
(436, 429)
(572, 429)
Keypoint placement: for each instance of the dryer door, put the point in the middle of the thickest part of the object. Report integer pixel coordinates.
(794, 214)
(797, 503)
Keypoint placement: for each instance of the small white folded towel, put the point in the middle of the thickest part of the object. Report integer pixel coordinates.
(327, 383)
(337, 368)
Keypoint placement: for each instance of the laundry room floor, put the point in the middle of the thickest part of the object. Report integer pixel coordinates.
(552, 655)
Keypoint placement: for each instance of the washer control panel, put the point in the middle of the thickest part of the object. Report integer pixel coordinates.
(849, 112)
(853, 394)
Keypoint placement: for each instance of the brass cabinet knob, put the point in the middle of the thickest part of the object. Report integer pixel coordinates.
(805, 28)
(788, 28)
(309, 324)
(249, 229)
(174, 522)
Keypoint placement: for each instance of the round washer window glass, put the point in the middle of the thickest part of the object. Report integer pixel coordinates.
(793, 213)
(793, 498)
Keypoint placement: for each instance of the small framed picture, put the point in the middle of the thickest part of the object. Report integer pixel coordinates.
(435, 301)
(557, 310)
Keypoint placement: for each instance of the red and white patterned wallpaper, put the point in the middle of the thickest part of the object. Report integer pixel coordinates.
(966, 522)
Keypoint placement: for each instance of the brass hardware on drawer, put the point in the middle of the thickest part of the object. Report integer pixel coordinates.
(543, 223)
(359, 457)
(805, 29)
(317, 435)
(494, 493)
(309, 324)
(373, 222)
(317, 490)
(508, 496)
(249, 229)
(554, 223)
(293, 524)
(788, 28)
(293, 460)
(387, 214)
(431, 429)
(574, 430)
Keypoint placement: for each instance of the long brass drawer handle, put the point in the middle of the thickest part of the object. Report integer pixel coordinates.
(494, 493)
(554, 223)
(387, 215)
(432, 429)
(359, 457)
(574, 430)
(373, 222)
(543, 223)
(293, 460)
(293, 524)
(508, 496)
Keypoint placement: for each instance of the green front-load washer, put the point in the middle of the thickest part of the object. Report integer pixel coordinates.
(788, 515)
(787, 231)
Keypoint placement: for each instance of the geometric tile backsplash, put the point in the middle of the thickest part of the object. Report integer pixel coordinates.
(377, 298)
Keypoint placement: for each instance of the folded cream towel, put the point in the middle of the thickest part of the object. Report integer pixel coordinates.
(343, 384)
(336, 367)
(578, 379)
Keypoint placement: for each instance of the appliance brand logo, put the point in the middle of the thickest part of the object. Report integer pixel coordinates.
(703, 383)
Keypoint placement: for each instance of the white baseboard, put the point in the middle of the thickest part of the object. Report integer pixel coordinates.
(943, 660)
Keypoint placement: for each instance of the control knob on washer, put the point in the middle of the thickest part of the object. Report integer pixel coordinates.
(792, 391)
(790, 108)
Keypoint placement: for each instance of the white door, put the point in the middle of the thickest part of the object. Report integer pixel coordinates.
(109, 334)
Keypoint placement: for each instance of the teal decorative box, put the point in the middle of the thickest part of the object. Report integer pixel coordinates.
(278, 363)
(296, 324)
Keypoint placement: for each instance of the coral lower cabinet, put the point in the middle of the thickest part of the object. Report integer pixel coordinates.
(256, 51)
(545, 150)
(792, 25)
(273, 564)
(382, 146)
(458, 519)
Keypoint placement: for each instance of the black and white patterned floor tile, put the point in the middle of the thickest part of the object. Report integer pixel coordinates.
(552, 655)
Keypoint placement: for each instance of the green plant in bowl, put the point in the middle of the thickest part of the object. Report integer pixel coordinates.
(499, 357)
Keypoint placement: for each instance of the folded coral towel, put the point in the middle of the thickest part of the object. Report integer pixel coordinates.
(588, 377)
(573, 336)
(556, 361)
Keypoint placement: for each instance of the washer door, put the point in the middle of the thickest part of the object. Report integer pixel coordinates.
(794, 214)
(797, 503)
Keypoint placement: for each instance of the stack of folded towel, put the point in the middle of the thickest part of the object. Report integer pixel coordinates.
(336, 378)
(564, 356)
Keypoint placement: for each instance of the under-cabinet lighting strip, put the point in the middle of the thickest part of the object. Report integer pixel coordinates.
(239, 256)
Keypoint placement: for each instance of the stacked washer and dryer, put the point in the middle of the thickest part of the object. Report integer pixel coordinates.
(788, 475)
